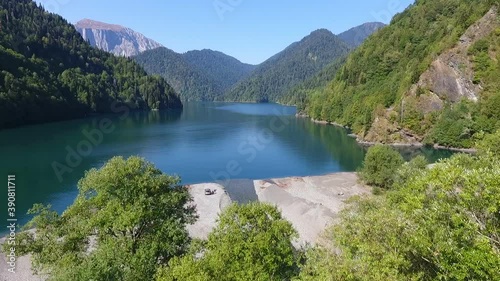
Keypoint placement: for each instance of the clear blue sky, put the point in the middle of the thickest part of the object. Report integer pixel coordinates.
(250, 30)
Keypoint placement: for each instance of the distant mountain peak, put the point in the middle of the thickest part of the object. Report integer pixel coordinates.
(357, 35)
(322, 31)
(115, 38)
(93, 24)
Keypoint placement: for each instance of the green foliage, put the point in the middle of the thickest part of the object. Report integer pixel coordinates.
(274, 78)
(441, 224)
(490, 144)
(410, 170)
(126, 220)
(380, 165)
(251, 242)
(384, 68)
(197, 75)
(299, 94)
(48, 72)
(455, 126)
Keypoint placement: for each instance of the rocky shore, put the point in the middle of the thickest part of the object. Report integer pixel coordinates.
(396, 145)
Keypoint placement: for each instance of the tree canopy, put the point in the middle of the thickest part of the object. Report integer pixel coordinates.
(127, 219)
(380, 166)
(250, 242)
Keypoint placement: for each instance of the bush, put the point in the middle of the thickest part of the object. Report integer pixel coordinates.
(490, 144)
(411, 169)
(250, 242)
(380, 166)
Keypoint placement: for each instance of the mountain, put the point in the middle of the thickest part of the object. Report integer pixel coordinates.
(48, 72)
(285, 70)
(430, 77)
(115, 39)
(223, 70)
(196, 75)
(299, 94)
(357, 35)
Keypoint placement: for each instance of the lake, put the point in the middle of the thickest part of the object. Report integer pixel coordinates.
(205, 142)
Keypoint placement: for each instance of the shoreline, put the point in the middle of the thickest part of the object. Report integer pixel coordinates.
(395, 145)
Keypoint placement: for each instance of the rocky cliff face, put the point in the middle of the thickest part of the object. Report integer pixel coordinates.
(115, 39)
(451, 75)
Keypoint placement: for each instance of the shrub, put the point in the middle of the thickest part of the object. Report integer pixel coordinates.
(411, 169)
(490, 144)
(380, 166)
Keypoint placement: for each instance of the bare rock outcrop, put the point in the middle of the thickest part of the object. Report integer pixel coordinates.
(114, 38)
(451, 75)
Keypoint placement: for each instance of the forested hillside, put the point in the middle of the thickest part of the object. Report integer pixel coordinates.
(299, 94)
(287, 69)
(430, 76)
(222, 69)
(48, 72)
(196, 75)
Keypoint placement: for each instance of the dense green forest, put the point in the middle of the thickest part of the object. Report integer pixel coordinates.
(196, 75)
(300, 61)
(354, 37)
(299, 94)
(129, 220)
(48, 72)
(222, 69)
(380, 73)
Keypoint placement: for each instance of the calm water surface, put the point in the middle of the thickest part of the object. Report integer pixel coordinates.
(205, 142)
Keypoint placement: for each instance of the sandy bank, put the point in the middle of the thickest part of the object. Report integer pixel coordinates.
(23, 270)
(208, 208)
(310, 203)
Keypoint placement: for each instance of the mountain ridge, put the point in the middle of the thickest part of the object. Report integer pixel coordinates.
(357, 35)
(196, 75)
(298, 64)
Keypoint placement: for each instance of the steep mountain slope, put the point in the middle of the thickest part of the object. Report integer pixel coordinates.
(299, 94)
(222, 69)
(427, 77)
(115, 39)
(196, 75)
(357, 35)
(48, 72)
(297, 63)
